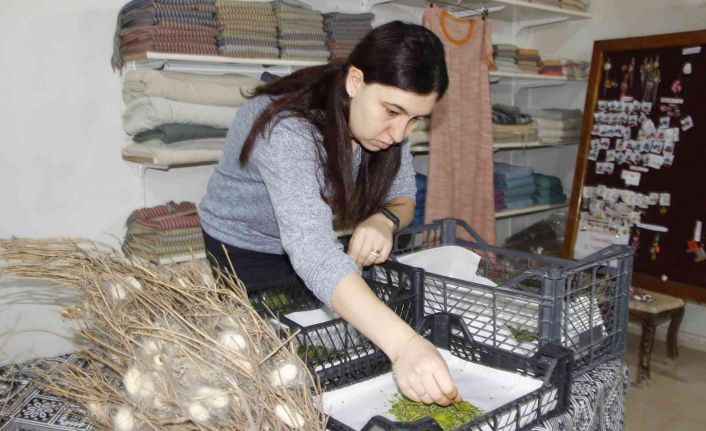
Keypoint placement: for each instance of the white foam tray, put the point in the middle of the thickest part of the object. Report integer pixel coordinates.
(485, 387)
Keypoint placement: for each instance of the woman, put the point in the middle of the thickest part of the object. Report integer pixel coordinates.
(328, 140)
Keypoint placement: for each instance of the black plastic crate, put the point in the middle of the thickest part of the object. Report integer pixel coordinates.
(552, 364)
(329, 348)
(581, 305)
(283, 298)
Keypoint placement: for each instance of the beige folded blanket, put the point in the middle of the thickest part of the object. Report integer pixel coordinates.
(222, 90)
(150, 112)
(172, 156)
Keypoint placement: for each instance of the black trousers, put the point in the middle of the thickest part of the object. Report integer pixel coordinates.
(258, 271)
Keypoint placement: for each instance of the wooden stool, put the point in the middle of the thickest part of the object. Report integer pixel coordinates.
(664, 308)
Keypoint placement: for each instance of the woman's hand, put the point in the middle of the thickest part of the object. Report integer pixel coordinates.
(372, 240)
(421, 373)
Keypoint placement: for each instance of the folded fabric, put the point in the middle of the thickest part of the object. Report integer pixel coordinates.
(549, 193)
(568, 133)
(519, 203)
(151, 112)
(567, 124)
(507, 172)
(165, 217)
(171, 156)
(546, 181)
(168, 133)
(550, 200)
(193, 144)
(518, 190)
(222, 90)
(507, 114)
(516, 182)
(418, 137)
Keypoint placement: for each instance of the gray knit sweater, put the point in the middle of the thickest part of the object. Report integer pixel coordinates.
(273, 204)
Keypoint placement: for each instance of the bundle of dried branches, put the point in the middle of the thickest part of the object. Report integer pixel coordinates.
(168, 347)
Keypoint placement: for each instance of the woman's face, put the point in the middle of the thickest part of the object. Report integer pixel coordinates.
(382, 116)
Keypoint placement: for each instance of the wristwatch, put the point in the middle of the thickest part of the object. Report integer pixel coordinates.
(390, 215)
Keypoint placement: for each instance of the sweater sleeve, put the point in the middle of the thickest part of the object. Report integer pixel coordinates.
(288, 164)
(404, 183)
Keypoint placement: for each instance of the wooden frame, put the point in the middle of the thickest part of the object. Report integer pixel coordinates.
(601, 50)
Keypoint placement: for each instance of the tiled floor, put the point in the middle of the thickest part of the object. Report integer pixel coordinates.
(674, 400)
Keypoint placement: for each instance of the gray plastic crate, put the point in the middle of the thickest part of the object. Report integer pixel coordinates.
(581, 305)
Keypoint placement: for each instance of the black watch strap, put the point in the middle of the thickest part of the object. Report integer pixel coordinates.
(390, 215)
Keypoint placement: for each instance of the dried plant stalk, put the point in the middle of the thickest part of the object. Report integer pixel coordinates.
(168, 347)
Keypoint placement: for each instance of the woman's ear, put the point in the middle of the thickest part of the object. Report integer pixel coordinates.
(354, 81)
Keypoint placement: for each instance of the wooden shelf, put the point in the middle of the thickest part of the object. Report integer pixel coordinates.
(149, 55)
(524, 13)
(529, 145)
(529, 210)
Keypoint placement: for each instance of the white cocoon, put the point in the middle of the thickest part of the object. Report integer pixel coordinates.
(232, 340)
(117, 291)
(199, 412)
(213, 397)
(283, 375)
(138, 384)
(124, 420)
(132, 281)
(289, 417)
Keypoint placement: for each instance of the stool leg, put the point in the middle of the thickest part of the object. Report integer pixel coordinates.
(673, 331)
(645, 355)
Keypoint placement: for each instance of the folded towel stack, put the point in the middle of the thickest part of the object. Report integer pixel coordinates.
(548, 190)
(185, 27)
(528, 60)
(165, 233)
(511, 125)
(421, 199)
(514, 186)
(551, 67)
(345, 30)
(420, 134)
(180, 118)
(247, 29)
(505, 58)
(576, 69)
(300, 33)
(556, 126)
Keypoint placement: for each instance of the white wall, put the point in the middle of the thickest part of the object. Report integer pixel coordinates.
(60, 166)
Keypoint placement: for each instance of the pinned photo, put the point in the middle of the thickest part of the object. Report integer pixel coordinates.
(595, 144)
(646, 107)
(664, 122)
(657, 147)
(610, 156)
(668, 160)
(593, 155)
(668, 148)
(620, 144)
(605, 144)
(620, 157)
(686, 123)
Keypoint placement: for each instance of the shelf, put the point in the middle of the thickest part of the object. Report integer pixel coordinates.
(419, 149)
(521, 12)
(166, 158)
(212, 63)
(529, 145)
(529, 210)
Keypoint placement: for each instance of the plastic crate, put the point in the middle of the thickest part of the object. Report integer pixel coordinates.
(552, 364)
(283, 298)
(329, 348)
(581, 305)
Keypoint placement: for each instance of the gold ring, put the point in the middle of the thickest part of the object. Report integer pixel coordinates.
(376, 253)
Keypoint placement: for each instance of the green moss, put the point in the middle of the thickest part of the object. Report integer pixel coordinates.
(521, 335)
(448, 418)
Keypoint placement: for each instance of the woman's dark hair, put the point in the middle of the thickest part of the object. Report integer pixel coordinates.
(406, 56)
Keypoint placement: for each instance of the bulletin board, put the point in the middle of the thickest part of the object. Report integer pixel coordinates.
(641, 166)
